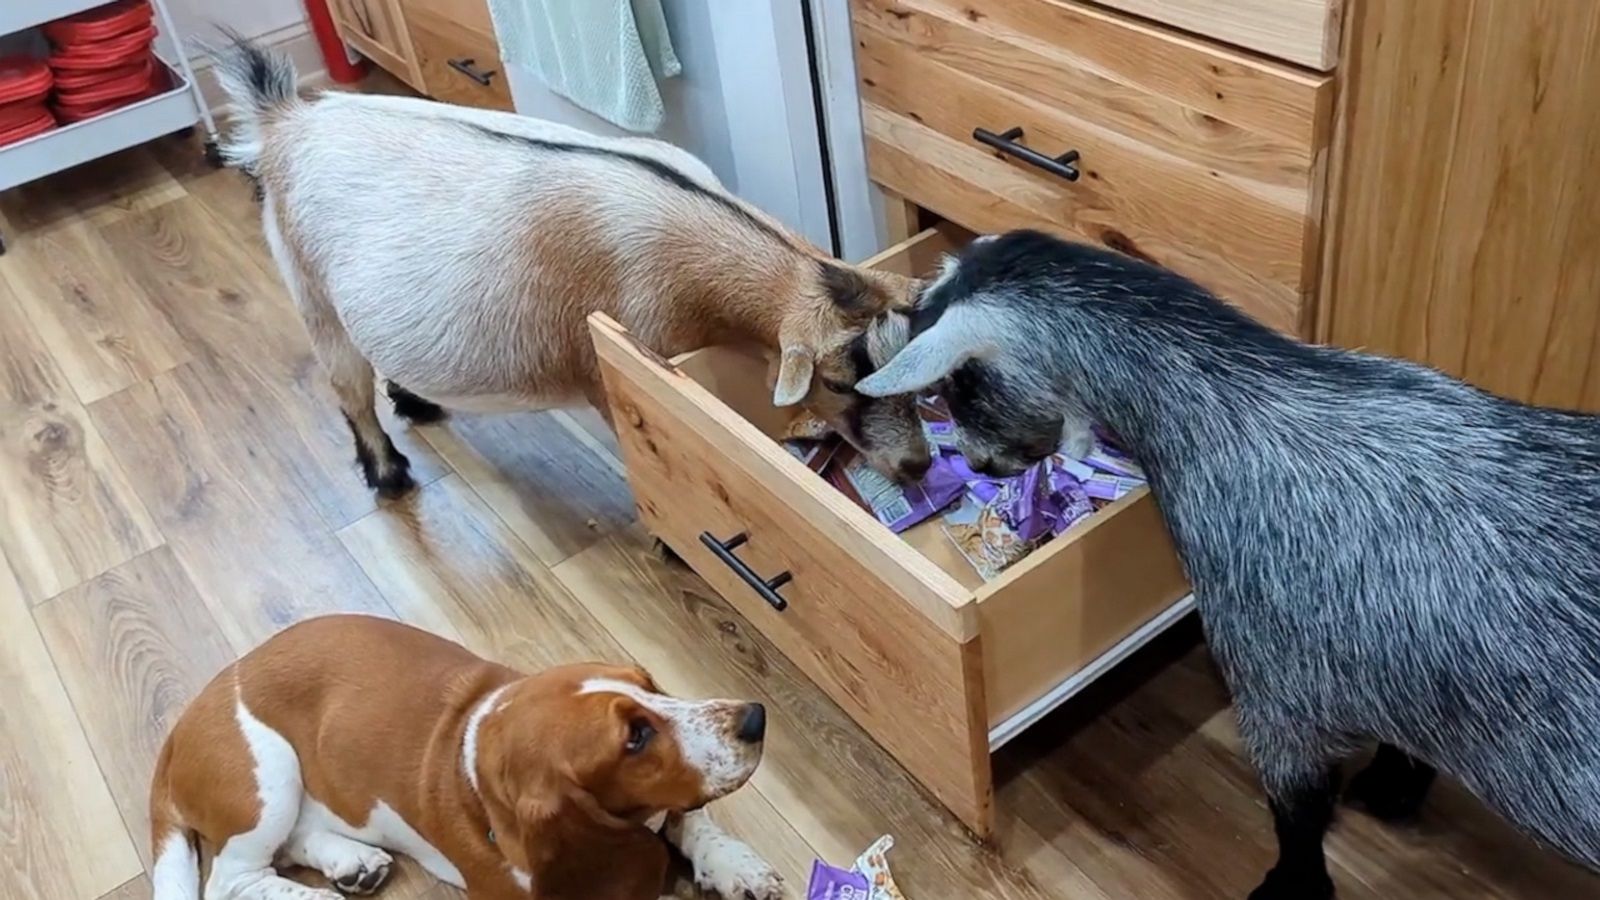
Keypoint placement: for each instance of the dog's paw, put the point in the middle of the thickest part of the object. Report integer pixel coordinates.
(733, 871)
(363, 874)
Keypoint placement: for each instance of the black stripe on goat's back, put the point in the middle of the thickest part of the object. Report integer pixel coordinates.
(655, 167)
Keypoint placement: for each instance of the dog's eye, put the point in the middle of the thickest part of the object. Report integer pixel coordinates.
(639, 734)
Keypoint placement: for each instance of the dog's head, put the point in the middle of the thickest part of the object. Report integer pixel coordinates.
(579, 758)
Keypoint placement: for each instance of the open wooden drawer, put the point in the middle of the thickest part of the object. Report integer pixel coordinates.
(940, 667)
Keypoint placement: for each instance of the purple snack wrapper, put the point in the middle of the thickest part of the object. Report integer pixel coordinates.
(829, 883)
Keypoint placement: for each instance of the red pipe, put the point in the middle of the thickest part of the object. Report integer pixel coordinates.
(340, 69)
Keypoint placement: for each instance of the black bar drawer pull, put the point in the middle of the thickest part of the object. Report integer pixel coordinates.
(767, 588)
(465, 66)
(1006, 143)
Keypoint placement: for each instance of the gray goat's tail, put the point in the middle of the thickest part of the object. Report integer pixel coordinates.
(259, 83)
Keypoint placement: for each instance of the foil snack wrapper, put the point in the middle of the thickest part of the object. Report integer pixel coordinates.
(870, 879)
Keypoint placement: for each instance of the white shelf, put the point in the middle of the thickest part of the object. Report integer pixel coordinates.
(16, 15)
(71, 145)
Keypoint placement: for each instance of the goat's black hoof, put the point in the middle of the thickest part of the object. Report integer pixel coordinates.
(669, 555)
(1289, 884)
(393, 478)
(412, 408)
(1391, 790)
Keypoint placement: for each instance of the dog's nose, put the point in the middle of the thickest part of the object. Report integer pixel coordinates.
(753, 727)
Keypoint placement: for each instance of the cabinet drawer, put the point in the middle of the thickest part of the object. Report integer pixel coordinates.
(1195, 157)
(458, 59)
(937, 665)
(377, 30)
(1300, 31)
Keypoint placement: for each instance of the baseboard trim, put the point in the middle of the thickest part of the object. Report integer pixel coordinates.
(295, 40)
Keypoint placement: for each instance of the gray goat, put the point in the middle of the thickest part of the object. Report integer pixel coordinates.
(1379, 552)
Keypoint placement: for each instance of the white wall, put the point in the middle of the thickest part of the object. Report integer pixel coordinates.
(277, 23)
(251, 18)
(743, 104)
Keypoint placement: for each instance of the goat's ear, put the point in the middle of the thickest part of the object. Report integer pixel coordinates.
(930, 356)
(795, 367)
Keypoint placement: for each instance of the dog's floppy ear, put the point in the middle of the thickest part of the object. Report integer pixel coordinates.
(577, 851)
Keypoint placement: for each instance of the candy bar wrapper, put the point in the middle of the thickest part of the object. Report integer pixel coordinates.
(874, 864)
(829, 883)
(1105, 486)
(895, 505)
(815, 454)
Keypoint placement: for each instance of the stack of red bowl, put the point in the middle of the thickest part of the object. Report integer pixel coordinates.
(24, 84)
(102, 59)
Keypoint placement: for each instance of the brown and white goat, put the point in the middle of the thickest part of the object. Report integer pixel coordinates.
(461, 251)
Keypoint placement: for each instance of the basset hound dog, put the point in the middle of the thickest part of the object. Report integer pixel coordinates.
(345, 739)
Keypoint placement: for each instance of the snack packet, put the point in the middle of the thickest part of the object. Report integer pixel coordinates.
(873, 863)
(830, 883)
(870, 879)
(898, 506)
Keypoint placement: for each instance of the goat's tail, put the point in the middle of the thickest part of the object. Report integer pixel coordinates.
(175, 874)
(260, 83)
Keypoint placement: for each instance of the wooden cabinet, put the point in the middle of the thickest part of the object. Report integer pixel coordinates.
(938, 666)
(377, 30)
(445, 49)
(1412, 177)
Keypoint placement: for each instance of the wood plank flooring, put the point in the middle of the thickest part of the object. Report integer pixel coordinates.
(176, 485)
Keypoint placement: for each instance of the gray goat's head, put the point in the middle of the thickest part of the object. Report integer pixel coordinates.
(976, 340)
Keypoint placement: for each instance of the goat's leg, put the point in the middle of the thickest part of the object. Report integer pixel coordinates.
(1302, 788)
(386, 469)
(1393, 786)
(412, 408)
(1300, 817)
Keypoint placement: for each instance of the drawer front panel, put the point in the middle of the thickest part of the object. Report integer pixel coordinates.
(1299, 31)
(697, 469)
(459, 64)
(1189, 156)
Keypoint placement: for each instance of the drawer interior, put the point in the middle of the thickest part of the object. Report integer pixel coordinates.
(1047, 617)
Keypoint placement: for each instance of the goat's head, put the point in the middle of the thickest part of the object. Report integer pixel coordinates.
(973, 336)
(850, 323)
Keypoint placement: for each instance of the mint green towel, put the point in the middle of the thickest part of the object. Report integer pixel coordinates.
(604, 55)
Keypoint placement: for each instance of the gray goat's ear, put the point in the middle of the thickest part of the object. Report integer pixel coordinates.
(929, 357)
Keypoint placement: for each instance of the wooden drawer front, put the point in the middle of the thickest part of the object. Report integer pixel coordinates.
(861, 621)
(1200, 159)
(1299, 31)
(459, 62)
(377, 30)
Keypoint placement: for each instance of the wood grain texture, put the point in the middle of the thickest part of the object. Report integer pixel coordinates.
(1465, 214)
(99, 192)
(249, 540)
(1073, 599)
(67, 510)
(542, 474)
(1204, 161)
(132, 889)
(837, 789)
(95, 324)
(133, 646)
(1299, 31)
(225, 299)
(870, 634)
(447, 564)
(377, 28)
(437, 38)
(61, 836)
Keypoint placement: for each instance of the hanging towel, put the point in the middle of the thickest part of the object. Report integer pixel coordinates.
(604, 55)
